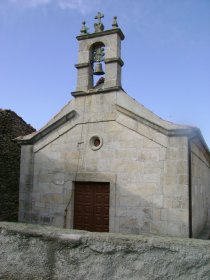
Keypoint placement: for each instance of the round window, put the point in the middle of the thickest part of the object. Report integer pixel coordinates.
(96, 142)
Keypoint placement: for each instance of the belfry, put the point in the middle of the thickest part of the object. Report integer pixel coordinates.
(97, 48)
(106, 163)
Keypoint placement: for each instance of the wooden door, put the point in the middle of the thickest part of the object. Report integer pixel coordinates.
(91, 206)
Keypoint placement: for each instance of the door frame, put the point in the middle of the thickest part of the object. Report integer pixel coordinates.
(110, 178)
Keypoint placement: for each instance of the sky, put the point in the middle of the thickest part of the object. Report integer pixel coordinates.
(166, 52)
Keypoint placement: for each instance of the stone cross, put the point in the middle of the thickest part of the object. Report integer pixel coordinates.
(99, 27)
(99, 17)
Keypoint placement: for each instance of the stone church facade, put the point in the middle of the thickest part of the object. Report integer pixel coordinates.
(106, 163)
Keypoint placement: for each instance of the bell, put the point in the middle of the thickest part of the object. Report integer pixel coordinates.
(98, 69)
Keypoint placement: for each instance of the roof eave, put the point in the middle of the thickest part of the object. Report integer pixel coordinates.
(23, 140)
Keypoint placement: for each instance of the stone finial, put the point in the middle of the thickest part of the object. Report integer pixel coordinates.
(84, 28)
(114, 23)
(99, 27)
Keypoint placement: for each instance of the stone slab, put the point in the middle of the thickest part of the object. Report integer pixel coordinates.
(40, 252)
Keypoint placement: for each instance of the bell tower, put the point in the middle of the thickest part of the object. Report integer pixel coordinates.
(99, 56)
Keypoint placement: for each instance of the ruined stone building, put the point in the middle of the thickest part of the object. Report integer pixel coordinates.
(11, 126)
(106, 163)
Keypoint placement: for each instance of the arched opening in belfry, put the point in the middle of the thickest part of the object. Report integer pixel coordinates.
(97, 57)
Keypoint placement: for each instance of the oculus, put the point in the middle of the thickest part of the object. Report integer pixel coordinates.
(95, 142)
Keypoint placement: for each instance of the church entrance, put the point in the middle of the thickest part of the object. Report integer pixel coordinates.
(91, 206)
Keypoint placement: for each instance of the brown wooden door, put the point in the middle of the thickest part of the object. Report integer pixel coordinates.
(91, 206)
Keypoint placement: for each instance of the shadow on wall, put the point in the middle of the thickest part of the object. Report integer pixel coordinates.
(133, 210)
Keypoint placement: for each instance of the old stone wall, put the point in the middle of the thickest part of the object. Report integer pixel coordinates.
(147, 171)
(11, 126)
(200, 188)
(175, 187)
(35, 252)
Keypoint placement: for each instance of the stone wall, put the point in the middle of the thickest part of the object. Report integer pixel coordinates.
(200, 188)
(175, 187)
(35, 252)
(11, 126)
(146, 169)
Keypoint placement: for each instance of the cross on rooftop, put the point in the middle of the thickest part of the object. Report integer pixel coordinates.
(99, 17)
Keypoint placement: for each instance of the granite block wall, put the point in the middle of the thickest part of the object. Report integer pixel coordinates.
(39, 252)
(148, 169)
(200, 188)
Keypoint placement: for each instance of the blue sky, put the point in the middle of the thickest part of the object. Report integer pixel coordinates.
(166, 52)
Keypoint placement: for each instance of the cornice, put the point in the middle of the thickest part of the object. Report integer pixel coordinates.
(40, 134)
(102, 33)
(114, 59)
(95, 91)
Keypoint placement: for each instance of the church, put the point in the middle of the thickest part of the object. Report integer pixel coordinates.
(105, 163)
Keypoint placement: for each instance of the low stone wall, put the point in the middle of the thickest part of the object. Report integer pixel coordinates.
(38, 252)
